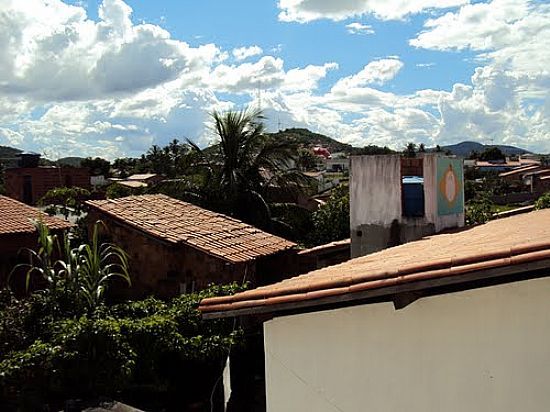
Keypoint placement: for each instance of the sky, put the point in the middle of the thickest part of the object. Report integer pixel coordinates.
(111, 78)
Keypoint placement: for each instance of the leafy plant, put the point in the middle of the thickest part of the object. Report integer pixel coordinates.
(543, 202)
(479, 210)
(97, 264)
(80, 274)
(331, 221)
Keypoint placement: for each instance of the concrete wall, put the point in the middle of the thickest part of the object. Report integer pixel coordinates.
(376, 219)
(478, 350)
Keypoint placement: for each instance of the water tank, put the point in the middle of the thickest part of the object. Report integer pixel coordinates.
(29, 159)
(413, 196)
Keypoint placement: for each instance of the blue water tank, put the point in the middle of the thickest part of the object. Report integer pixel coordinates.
(413, 196)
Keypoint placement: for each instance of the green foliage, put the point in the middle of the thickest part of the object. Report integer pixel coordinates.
(543, 202)
(492, 153)
(115, 191)
(80, 276)
(97, 166)
(479, 210)
(410, 150)
(65, 200)
(112, 349)
(331, 221)
(372, 149)
(245, 167)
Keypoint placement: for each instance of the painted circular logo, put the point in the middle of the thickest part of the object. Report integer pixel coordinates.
(449, 185)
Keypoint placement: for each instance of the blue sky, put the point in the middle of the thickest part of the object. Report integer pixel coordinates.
(111, 78)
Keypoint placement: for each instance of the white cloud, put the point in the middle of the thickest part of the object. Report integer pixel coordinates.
(51, 51)
(512, 33)
(358, 28)
(304, 11)
(376, 72)
(242, 53)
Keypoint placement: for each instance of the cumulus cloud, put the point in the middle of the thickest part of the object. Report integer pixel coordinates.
(376, 72)
(512, 33)
(242, 53)
(73, 85)
(304, 11)
(51, 51)
(358, 28)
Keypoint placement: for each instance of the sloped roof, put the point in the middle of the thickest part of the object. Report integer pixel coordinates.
(176, 221)
(17, 217)
(142, 176)
(502, 244)
(519, 170)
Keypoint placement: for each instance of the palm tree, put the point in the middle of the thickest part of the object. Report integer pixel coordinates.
(246, 165)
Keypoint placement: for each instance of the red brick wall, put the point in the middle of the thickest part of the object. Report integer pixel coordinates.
(44, 179)
(159, 268)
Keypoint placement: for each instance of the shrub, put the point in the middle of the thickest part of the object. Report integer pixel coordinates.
(543, 202)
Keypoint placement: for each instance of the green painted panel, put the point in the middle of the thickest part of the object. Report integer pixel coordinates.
(450, 186)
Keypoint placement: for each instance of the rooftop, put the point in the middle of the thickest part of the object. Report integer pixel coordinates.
(17, 217)
(519, 170)
(503, 246)
(176, 222)
(143, 176)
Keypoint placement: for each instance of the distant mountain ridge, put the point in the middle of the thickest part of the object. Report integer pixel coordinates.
(464, 149)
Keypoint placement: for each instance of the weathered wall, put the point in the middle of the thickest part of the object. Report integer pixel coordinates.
(478, 350)
(430, 199)
(375, 201)
(44, 179)
(159, 267)
(376, 220)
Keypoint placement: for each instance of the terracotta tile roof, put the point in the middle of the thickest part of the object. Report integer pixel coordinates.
(176, 221)
(17, 217)
(501, 243)
(519, 170)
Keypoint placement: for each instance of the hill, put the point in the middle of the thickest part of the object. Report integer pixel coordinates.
(70, 161)
(8, 156)
(308, 138)
(464, 149)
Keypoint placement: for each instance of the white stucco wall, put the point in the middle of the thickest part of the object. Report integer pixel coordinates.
(480, 350)
(375, 190)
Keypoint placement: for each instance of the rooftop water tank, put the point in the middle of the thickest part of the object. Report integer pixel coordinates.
(413, 196)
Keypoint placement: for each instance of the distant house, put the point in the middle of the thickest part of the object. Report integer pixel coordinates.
(176, 247)
(18, 231)
(29, 182)
(453, 322)
(147, 178)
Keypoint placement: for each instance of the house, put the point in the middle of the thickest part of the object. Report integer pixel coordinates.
(453, 322)
(176, 247)
(17, 231)
(29, 182)
(147, 178)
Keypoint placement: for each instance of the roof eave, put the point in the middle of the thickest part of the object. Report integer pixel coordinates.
(353, 298)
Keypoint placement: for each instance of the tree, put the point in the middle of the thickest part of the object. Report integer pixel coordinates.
(65, 200)
(332, 221)
(97, 166)
(492, 153)
(421, 148)
(543, 202)
(410, 150)
(239, 172)
(372, 149)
